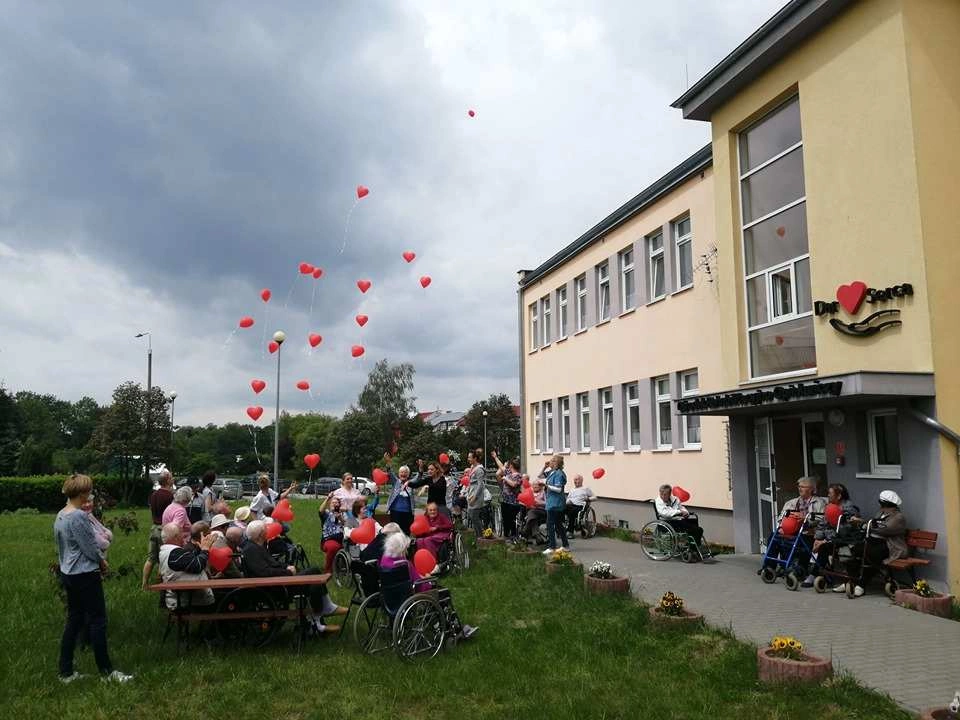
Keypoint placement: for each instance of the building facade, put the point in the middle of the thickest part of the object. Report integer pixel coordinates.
(834, 137)
(615, 328)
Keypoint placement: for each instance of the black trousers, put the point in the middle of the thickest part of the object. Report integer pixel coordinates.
(403, 519)
(555, 527)
(508, 511)
(876, 553)
(85, 607)
(689, 526)
(535, 516)
(573, 512)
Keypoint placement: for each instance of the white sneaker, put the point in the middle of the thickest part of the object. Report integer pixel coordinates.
(839, 588)
(548, 551)
(858, 591)
(117, 677)
(67, 679)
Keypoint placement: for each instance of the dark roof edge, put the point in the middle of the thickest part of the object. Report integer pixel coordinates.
(791, 25)
(694, 164)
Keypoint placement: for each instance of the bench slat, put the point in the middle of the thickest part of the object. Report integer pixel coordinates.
(907, 562)
(208, 617)
(922, 539)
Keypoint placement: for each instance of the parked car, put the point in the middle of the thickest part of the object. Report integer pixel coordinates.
(320, 486)
(366, 486)
(228, 488)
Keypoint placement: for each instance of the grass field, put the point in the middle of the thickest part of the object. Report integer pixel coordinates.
(545, 649)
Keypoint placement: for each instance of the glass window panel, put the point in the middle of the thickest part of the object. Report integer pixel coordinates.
(783, 347)
(633, 391)
(772, 135)
(603, 271)
(634, 419)
(604, 302)
(776, 240)
(685, 261)
(781, 285)
(757, 300)
(683, 227)
(656, 273)
(887, 436)
(629, 290)
(656, 242)
(665, 426)
(691, 381)
(693, 429)
(802, 280)
(663, 386)
(773, 187)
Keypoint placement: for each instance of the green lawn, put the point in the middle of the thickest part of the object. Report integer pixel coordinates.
(545, 650)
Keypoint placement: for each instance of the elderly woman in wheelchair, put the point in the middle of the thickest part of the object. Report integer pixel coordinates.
(409, 613)
(676, 532)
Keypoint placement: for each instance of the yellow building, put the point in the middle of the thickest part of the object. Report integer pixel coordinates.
(615, 328)
(836, 148)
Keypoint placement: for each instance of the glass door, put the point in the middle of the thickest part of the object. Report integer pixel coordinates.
(766, 478)
(815, 451)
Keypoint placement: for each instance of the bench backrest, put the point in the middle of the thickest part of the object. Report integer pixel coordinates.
(921, 539)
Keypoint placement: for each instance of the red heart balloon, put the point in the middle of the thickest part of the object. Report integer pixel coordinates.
(365, 533)
(380, 477)
(357, 350)
(409, 256)
(525, 498)
(274, 530)
(306, 268)
(471, 113)
(255, 412)
(420, 526)
(598, 473)
(790, 525)
(832, 514)
(364, 285)
(680, 494)
(311, 460)
(219, 557)
(425, 280)
(361, 320)
(265, 295)
(257, 385)
(282, 513)
(525, 483)
(314, 339)
(465, 479)
(317, 273)
(424, 562)
(781, 231)
(852, 295)
(444, 459)
(362, 191)
(273, 347)
(303, 385)
(246, 321)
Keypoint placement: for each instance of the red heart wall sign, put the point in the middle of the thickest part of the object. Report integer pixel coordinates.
(851, 296)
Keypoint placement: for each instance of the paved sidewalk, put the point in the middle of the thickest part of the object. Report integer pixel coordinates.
(862, 635)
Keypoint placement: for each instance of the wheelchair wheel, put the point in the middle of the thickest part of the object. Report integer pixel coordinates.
(792, 581)
(890, 587)
(250, 632)
(768, 575)
(300, 559)
(849, 587)
(341, 569)
(419, 629)
(372, 627)
(462, 557)
(658, 541)
(497, 520)
(688, 556)
(588, 523)
(820, 584)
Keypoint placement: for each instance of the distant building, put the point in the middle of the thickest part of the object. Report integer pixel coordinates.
(441, 420)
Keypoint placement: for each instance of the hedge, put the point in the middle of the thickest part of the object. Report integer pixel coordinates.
(43, 491)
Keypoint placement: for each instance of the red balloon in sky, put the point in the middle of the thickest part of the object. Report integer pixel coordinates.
(265, 295)
(306, 268)
(409, 256)
(272, 347)
(314, 339)
(425, 280)
(317, 273)
(311, 460)
(303, 385)
(361, 320)
(364, 285)
(255, 412)
(357, 350)
(471, 113)
(598, 473)
(257, 385)
(362, 191)
(246, 321)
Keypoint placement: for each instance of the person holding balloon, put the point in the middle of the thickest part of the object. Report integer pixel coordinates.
(793, 517)
(400, 502)
(510, 486)
(440, 530)
(825, 537)
(556, 503)
(267, 498)
(332, 521)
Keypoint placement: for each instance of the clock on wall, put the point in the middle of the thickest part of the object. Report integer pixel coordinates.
(836, 417)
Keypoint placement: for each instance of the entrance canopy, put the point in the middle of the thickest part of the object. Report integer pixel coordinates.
(805, 395)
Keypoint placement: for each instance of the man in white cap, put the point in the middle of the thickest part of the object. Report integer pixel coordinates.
(219, 523)
(241, 516)
(886, 541)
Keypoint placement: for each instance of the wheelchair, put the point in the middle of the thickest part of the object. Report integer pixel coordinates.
(586, 522)
(396, 617)
(539, 536)
(453, 556)
(659, 540)
(343, 575)
(799, 560)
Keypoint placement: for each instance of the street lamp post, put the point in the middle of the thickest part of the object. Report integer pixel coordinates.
(146, 437)
(484, 436)
(278, 337)
(173, 399)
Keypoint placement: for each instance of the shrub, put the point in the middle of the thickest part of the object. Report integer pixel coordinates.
(43, 491)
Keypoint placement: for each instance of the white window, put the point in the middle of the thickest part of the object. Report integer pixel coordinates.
(628, 288)
(537, 433)
(606, 407)
(565, 424)
(776, 253)
(664, 413)
(534, 326)
(580, 284)
(603, 292)
(583, 408)
(883, 435)
(655, 266)
(545, 319)
(562, 309)
(683, 237)
(548, 416)
(632, 397)
(690, 386)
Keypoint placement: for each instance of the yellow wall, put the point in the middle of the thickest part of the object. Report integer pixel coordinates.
(863, 214)
(933, 64)
(677, 333)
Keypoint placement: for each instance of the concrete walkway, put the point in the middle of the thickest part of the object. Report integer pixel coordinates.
(863, 636)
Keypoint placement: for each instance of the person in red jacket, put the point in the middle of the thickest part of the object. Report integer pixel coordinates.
(441, 530)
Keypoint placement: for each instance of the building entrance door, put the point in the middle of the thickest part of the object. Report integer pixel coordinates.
(766, 507)
(788, 458)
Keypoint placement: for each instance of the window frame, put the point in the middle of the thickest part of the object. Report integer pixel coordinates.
(625, 270)
(562, 313)
(660, 399)
(679, 240)
(876, 468)
(684, 393)
(564, 410)
(654, 258)
(603, 284)
(537, 431)
(546, 315)
(632, 404)
(534, 325)
(583, 409)
(580, 289)
(606, 426)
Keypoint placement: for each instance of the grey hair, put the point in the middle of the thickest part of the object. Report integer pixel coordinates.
(169, 533)
(404, 469)
(390, 528)
(183, 495)
(396, 545)
(165, 476)
(808, 480)
(666, 487)
(255, 530)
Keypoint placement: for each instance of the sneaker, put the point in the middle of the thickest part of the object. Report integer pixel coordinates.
(808, 582)
(857, 591)
(839, 588)
(117, 677)
(468, 631)
(548, 551)
(67, 679)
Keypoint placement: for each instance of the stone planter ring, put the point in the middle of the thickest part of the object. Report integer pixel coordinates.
(772, 669)
(688, 618)
(939, 605)
(607, 586)
(553, 567)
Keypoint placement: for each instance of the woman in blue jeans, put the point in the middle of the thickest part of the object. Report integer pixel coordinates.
(556, 503)
(81, 566)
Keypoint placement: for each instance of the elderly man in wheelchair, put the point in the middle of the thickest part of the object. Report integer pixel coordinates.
(675, 533)
(409, 613)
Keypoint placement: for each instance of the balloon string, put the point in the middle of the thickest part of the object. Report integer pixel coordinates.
(312, 296)
(229, 337)
(253, 434)
(346, 225)
(263, 336)
(290, 292)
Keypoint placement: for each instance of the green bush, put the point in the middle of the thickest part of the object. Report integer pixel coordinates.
(43, 491)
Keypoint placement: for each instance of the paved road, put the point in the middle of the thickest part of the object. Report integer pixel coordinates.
(860, 635)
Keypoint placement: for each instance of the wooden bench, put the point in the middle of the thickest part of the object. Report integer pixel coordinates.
(916, 540)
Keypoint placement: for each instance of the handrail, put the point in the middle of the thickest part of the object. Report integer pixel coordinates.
(952, 435)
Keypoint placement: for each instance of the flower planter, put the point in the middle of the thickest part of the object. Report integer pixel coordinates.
(483, 542)
(940, 713)
(607, 586)
(553, 567)
(772, 669)
(688, 618)
(939, 605)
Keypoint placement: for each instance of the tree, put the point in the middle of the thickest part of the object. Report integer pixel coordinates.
(354, 444)
(310, 433)
(503, 426)
(388, 397)
(9, 434)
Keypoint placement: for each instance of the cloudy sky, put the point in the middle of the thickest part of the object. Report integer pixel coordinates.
(161, 163)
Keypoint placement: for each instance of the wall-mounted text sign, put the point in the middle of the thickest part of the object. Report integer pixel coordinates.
(753, 398)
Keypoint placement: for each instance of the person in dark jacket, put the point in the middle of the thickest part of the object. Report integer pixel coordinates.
(436, 484)
(258, 562)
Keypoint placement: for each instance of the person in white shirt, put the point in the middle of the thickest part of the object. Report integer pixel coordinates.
(267, 499)
(672, 511)
(347, 493)
(576, 499)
